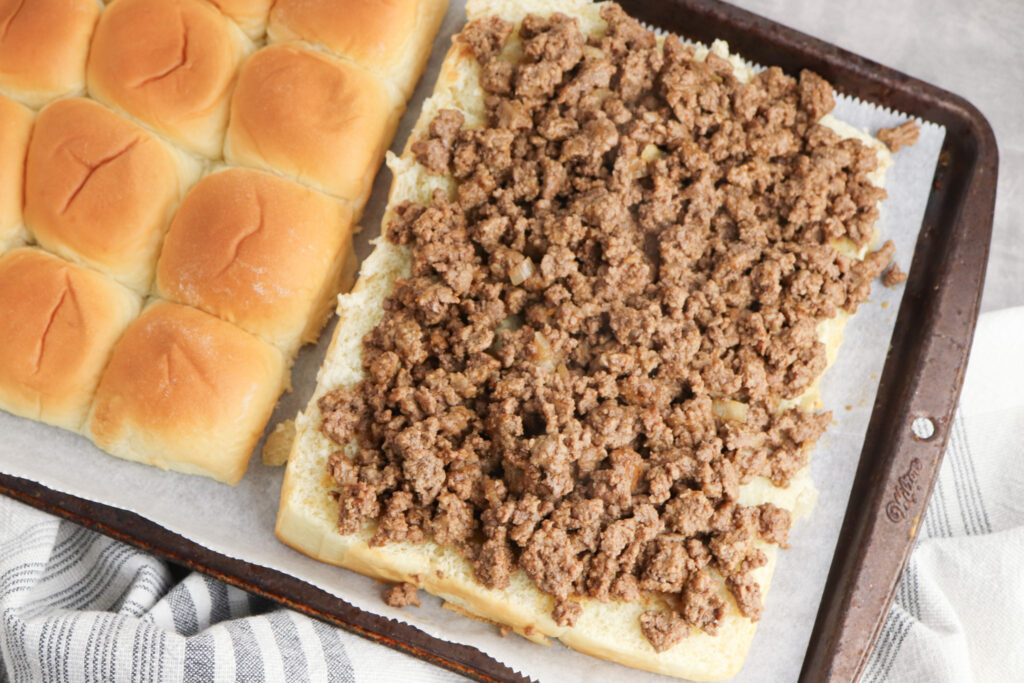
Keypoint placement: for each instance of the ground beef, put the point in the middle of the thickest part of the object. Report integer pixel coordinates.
(402, 595)
(663, 628)
(358, 502)
(566, 612)
(551, 560)
(898, 137)
(702, 605)
(399, 521)
(894, 276)
(342, 411)
(747, 593)
(587, 359)
(773, 525)
(486, 37)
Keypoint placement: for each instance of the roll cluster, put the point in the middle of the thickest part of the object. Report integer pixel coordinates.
(179, 181)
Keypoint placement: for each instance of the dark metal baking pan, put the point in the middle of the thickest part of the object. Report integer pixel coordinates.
(922, 377)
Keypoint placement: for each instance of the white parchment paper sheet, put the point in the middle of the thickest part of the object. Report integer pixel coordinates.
(239, 521)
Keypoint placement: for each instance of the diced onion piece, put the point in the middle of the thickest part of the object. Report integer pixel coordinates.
(513, 322)
(847, 247)
(727, 409)
(651, 152)
(521, 273)
(563, 372)
(544, 355)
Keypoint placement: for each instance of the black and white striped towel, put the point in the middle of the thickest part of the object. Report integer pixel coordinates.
(77, 606)
(80, 607)
(959, 612)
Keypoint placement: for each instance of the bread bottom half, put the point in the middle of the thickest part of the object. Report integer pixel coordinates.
(307, 517)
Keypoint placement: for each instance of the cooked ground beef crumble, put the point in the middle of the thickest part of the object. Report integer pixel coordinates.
(894, 276)
(402, 595)
(898, 137)
(602, 324)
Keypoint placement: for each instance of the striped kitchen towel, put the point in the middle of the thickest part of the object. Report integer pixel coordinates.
(959, 612)
(77, 606)
(80, 607)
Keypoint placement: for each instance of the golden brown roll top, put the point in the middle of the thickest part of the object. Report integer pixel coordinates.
(250, 15)
(248, 263)
(392, 38)
(187, 392)
(58, 325)
(15, 128)
(258, 251)
(100, 190)
(321, 120)
(170, 64)
(43, 47)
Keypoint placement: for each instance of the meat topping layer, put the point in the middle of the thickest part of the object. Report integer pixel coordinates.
(607, 320)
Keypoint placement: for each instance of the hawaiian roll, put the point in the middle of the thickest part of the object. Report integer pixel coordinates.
(186, 391)
(58, 325)
(170, 64)
(261, 252)
(320, 120)
(15, 127)
(100, 190)
(391, 38)
(43, 47)
(250, 15)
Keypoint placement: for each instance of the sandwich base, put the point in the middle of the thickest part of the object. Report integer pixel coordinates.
(307, 518)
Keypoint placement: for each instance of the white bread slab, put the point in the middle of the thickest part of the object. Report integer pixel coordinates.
(307, 516)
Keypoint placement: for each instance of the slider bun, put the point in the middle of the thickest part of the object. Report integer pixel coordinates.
(15, 128)
(188, 392)
(100, 190)
(392, 38)
(258, 251)
(44, 47)
(250, 15)
(58, 324)
(170, 64)
(311, 117)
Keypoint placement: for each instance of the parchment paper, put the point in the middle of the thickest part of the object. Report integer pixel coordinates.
(239, 521)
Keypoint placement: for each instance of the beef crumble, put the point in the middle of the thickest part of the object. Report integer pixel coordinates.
(894, 276)
(663, 628)
(604, 322)
(402, 595)
(898, 137)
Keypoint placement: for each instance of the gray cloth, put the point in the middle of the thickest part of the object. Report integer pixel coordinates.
(80, 607)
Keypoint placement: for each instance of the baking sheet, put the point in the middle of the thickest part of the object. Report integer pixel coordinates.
(238, 522)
